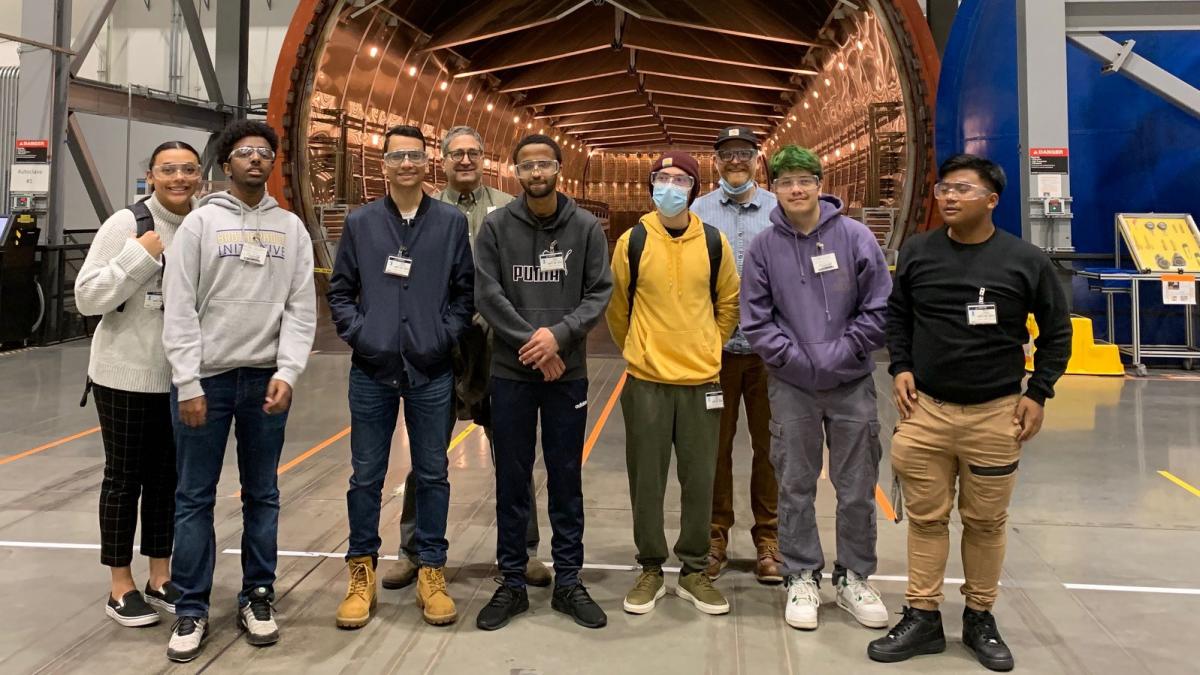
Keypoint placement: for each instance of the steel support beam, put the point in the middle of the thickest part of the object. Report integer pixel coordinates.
(191, 19)
(233, 52)
(96, 98)
(93, 183)
(1094, 16)
(1119, 58)
(1042, 92)
(940, 14)
(88, 34)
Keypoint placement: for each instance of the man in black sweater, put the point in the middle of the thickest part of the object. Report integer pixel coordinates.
(542, 283)
(955, 332)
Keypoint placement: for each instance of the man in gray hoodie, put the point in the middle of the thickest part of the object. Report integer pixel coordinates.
(814, 296)
(240, 315)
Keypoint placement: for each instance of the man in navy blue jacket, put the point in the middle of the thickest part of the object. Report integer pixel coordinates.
(401, 296)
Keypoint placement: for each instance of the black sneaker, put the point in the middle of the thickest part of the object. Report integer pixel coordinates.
(187, 637)
(919, 632)
(131, 610)
(257, 618)
(575, 602)
(163, 598)
(506, 603)
(981, 636)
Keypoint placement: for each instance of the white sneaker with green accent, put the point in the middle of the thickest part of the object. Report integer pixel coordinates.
(803, 601)
(861, 599)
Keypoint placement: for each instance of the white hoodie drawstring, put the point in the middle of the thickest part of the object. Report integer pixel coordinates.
(824, 294)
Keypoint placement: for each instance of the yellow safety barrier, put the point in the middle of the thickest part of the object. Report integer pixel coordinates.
(1087, 357)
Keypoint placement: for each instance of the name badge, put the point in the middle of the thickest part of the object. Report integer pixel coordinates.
(714, 400)
(490, 209)
(824, 263)
(254, 253)
(982, 314)
(398, 266)
(552, 262)
(153, 300)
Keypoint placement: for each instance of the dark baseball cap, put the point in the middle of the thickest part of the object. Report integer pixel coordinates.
(736, 134)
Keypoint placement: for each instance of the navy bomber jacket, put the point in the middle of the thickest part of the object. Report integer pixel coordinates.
(403, 329)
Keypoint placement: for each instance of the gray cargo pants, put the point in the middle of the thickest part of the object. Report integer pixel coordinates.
(801, 423)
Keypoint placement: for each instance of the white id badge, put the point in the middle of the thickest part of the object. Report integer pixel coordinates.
(824, 263)
(714, 400)
(552, 262)
(982, 314)
(491, 208)
(254, 253)
(153, 300)
(398, 266)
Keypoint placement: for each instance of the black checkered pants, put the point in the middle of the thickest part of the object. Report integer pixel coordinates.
(139, 460)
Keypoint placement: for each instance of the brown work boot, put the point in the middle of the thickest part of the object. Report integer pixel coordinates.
(537, 574)
(717, 561)
(355, 610)
(433, 598)
(401, 574)
(767, 569)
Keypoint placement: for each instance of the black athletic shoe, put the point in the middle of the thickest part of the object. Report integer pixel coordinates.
(575, 602)
(163, 598)
(919, 632)
(981, 636)
(131, 610)
(506, 603)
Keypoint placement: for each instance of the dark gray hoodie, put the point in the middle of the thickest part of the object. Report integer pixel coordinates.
(516, 297)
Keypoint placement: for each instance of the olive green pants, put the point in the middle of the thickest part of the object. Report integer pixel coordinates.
(657, 418)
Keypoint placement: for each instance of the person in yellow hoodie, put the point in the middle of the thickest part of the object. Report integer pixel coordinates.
(674, 304)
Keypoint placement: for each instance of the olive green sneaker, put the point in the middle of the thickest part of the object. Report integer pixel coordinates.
(698, 588)
(648, 589)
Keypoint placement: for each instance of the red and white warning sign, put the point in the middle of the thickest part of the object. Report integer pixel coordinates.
(1049, 160)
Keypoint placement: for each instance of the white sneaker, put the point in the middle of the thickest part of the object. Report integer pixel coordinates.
(803, 601)
(187, 636)
(258, 620)
(861, 599)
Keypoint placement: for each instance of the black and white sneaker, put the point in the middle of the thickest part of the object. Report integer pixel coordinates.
(131, 610)
(187, 637)
(163, 598)
(258, 620)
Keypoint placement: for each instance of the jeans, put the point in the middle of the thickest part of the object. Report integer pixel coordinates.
(515, 408)
(429, 419)
(234, 398)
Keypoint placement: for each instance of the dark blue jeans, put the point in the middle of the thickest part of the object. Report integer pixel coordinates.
(234, 398)
(515, 407)
(428, 419)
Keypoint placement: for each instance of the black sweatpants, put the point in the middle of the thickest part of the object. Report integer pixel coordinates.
(139, 461)
(515, 408)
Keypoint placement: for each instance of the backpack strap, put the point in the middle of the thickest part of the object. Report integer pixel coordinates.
(145, 223)
(712, 238)
(637, 244)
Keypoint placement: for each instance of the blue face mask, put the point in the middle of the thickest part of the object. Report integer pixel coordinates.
(670, 200)
(729, 189)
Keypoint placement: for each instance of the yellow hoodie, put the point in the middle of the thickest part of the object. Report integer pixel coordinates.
(673, 336)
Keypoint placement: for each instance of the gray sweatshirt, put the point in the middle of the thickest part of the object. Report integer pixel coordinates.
(222, 312)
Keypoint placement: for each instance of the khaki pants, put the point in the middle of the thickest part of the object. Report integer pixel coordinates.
(977, 445)
(744, 377)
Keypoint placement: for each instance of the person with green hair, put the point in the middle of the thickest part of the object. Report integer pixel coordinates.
(814, 296)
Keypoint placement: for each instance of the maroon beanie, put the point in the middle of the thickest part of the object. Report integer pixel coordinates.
(684, 162)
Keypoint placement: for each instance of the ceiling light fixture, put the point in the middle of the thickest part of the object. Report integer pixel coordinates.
(491, 107)
(444, 86)
(374, 52)
(412, 71)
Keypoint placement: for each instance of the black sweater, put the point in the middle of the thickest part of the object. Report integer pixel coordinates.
(929, 335)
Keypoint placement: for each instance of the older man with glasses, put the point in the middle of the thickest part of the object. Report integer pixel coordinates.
(401, 297)
(740, 210)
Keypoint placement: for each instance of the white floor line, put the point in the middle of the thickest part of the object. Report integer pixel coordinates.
(1162, 590)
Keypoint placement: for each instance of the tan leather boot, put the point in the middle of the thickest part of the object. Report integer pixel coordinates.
(355, 610)
(433, 598)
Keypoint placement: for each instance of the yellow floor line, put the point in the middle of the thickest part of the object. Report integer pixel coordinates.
(1180, 482)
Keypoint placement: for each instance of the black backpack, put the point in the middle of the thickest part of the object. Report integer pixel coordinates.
(637, 244)
(145, 223)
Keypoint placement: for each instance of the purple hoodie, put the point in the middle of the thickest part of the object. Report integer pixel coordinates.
(815, 331)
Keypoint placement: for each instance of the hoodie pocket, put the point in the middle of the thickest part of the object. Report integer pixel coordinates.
(689, 354)
(834, 363)
(240, 332)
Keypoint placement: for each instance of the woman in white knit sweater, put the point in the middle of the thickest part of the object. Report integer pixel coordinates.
(128, 371)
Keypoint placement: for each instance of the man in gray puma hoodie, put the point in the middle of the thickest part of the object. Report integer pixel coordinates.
(240, 315)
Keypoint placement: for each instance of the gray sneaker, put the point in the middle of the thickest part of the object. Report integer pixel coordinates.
(646, 591)
(187, 637)
(402, 573)
(699, 590)
(258, 620)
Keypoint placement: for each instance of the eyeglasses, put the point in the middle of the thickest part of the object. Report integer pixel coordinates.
(545, 166)
(660, 179)
(960, 191)
(803, 182)
(172, 170)
(458, 155)
(744, 155)
(396, 157)
(248, 151)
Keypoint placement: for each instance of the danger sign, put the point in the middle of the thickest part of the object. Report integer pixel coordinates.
(1049, 160)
